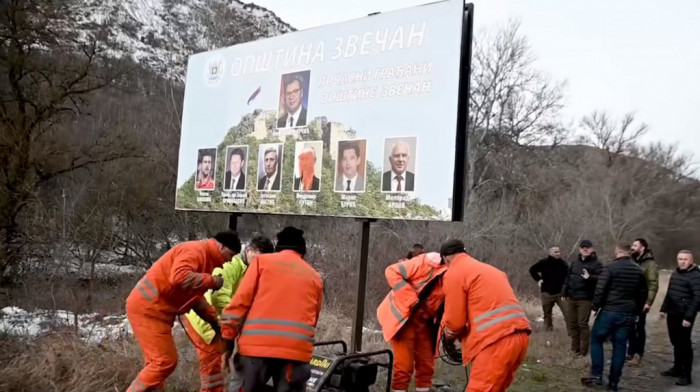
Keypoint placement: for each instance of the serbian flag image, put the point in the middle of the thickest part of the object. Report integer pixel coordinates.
(255, 94)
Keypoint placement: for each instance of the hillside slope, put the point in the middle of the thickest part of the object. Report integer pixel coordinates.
(161, 34)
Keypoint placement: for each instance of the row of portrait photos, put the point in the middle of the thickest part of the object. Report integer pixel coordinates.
(350, 172)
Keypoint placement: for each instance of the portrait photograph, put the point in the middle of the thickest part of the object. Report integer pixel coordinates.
(205, 177)
(235, 168)
(294, 98)
(308, 164)
(351, 166)
(398, 174)
(270, 167)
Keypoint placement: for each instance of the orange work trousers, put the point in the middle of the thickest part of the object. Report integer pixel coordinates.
(155, 338)
(413, 347)
(211, 374)
(494, 368)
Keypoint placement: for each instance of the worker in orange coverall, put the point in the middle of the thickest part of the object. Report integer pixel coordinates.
(409, 316)
(274, 314)
(482, 310)
(174, 285)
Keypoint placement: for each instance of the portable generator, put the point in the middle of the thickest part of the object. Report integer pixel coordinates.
(341, 371)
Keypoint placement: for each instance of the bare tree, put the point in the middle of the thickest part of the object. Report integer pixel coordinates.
(512, 103)
(601, 132)
(41, 92)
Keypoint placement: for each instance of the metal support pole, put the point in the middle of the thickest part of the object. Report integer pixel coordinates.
(233, 221)
(356, 341)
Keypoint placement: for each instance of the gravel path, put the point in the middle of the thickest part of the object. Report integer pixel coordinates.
(659, 357)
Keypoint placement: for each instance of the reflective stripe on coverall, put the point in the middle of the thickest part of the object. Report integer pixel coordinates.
(209, 353)
(275, 310)
(173, 284)
(405, 319)
(480, 301)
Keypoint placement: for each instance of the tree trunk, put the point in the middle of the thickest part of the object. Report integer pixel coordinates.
(9, 249)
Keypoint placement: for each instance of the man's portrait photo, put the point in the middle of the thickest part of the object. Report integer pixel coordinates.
(351, 166)
(270, 167)
(294, 98)
(308, 163)
(234, 179)
(399, 164)
(206, 163)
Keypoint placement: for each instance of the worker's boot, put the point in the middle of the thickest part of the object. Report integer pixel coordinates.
(636, 360)
(672, 372)
(592, 381)
(684, 380)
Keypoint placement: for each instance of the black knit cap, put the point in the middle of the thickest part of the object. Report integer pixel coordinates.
(291, 238)
(452, 247)
(229, 239)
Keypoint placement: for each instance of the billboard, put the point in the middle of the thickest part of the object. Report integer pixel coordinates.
(356, 119)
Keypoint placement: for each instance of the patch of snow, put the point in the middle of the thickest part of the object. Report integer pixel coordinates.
(92, 328)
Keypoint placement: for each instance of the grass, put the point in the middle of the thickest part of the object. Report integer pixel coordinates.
(61, 362)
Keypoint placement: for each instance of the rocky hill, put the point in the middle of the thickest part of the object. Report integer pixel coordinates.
(161, 34)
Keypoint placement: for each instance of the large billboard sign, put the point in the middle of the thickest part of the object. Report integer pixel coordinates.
(357, 119)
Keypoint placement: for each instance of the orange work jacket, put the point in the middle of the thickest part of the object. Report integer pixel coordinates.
(480, 301)
(407, 279)
(275, 309)
(177, 280)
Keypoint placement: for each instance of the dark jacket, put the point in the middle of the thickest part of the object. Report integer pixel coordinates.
(407, 185)
(552, 272)
(575, 286)
(315, 184)
(651, 272)
(683, 295)
(275, 185)
(621, 288)
(239, 185)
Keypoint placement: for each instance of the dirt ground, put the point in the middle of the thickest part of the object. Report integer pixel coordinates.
(549, 368)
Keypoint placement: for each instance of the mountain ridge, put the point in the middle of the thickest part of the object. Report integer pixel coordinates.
(160, 35)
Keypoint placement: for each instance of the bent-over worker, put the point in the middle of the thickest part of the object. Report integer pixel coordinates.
(173, 285)
(482, 310)
(204, 338)
(409, 316)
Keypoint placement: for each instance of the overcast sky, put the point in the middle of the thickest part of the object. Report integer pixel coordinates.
(621, 56)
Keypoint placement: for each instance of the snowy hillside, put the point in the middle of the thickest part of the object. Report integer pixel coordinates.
(161, 34)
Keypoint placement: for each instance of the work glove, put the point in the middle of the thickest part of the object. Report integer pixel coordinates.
(219, 281)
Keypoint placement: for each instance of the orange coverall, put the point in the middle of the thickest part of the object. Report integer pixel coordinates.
(172, 285)
(405, 319)
(480, 302)
(209, 355)
(275, 310)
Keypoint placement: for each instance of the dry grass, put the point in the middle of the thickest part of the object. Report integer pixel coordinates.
(61, 362)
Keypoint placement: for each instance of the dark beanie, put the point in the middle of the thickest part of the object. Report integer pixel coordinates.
(291, 238)
(229, 239)
(452, 247)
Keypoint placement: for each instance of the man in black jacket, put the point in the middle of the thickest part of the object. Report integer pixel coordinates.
(619, 298)
(578, 290)
(550, 274)
(682, 304)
